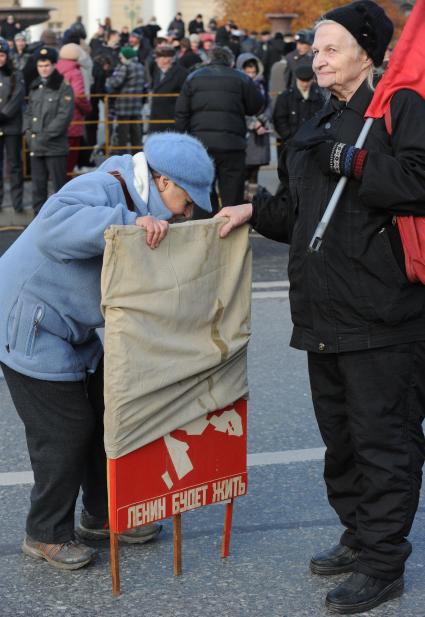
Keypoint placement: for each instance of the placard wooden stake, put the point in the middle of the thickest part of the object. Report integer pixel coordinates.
(115, 565)
(177, 544)
(227, 530)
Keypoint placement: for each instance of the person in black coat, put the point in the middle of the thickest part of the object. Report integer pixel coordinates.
(12, 94)
(212, 106)
(360, 319)
(188, 58)
(196, 26)
(109, 50)
(150, 31)
(262, 51)
(9, 28)
(141, 44)
(176, 28)
(167, 77)
(97, 40)
(222, 36)
(295, 106)
(276, 49)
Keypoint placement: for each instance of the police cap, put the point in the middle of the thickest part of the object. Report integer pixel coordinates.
(305, 36)
(46, 53)
(304, 72)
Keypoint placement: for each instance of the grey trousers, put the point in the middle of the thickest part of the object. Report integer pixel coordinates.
(129, 133)
(43, 168)
(64, 431)
(13, 146)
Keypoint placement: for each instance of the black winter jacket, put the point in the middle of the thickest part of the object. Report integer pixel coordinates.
(163, 107)
(12, 94)
(353, 294)
(291, 110)
(213, 104)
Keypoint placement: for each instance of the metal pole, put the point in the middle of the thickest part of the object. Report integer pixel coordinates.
(316, 241)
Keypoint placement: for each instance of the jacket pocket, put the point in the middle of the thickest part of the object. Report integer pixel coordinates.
(390, 258)
(13, 324)
(34, 330)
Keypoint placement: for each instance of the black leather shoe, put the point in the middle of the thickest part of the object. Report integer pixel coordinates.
(336, 560)
(361, 592)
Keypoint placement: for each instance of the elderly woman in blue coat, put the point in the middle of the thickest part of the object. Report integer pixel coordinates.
(50, 353)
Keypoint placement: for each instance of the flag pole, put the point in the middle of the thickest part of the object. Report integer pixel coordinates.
(317, 238)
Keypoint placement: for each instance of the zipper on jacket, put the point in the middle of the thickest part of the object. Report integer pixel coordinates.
(38, 314)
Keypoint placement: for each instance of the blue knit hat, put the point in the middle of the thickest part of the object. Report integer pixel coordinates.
(185, 161)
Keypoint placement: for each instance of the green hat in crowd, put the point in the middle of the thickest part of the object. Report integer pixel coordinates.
(128, 52)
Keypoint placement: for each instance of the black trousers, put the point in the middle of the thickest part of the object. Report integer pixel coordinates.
(230, 177)
(64, 431)
(129, 133)
(370, 406)
(90, 137)
(43, 168)
(13, 146)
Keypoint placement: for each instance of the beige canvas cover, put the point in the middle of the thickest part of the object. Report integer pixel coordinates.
(177, 324)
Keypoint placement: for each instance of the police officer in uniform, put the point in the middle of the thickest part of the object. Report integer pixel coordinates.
(12, 92)
(301, 55)
(46, 120)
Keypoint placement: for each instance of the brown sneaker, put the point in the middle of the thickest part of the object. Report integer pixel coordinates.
(67, 556)
(93, 528)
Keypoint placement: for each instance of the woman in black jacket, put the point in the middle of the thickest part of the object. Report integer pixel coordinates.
(354, 311)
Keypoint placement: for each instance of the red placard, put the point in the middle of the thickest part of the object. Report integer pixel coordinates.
(202, 463)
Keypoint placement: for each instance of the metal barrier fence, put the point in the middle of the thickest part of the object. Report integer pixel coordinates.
(110, 123)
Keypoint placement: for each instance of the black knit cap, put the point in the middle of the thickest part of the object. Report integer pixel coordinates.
(369, 25)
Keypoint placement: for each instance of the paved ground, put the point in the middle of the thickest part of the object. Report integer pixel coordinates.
(277, 526)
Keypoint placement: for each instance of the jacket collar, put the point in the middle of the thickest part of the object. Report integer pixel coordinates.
(53, 82)
(167, 75)
(359, 102)
(313, 95)
(7, 69)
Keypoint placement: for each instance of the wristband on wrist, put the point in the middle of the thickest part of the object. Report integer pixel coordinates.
(359, 161)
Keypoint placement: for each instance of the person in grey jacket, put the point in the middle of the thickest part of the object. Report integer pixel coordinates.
(301, 55)
(20, 54)
(46, 120)
(12, 92)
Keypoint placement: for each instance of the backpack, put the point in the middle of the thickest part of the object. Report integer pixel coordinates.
(412, 234)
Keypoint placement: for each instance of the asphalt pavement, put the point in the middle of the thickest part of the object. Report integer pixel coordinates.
(277, 526)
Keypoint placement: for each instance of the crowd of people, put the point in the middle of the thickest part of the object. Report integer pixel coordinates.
(147, 77)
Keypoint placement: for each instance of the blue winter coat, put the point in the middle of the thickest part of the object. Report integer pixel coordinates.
(50, 277)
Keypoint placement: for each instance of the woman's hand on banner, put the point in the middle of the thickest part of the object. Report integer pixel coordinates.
(156, 230)
(236, 215)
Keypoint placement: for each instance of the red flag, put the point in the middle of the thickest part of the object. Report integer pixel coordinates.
(406, 68)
